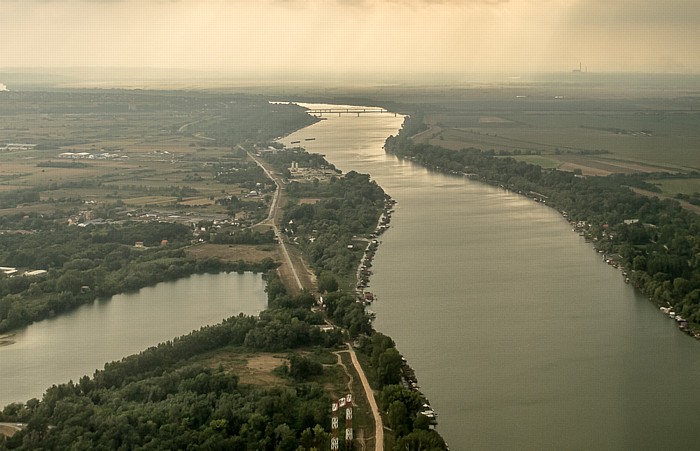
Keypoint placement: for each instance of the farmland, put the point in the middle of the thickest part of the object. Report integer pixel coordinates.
(136, 149)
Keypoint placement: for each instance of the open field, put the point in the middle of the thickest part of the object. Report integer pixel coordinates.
(252, 368)
(687, 186)
(235, 252)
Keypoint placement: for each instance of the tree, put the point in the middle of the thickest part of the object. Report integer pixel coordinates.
(389, 367)
(399, 420)
(420, 440)
(327, 283)
(301, 367)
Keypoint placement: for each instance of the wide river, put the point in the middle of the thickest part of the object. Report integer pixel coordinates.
(520, 335)
(67, 347)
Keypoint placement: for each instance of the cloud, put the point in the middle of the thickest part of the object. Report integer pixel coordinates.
(354, 35)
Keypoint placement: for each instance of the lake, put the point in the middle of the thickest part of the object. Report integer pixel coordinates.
(67, 347)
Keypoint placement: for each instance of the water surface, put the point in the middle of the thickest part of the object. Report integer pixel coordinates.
(75, 344)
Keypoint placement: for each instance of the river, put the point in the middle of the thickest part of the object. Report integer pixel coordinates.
(56, 350)
(520, 335)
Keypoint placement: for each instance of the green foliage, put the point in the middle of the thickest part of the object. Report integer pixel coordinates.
(421, 440)
(11, 199)
(244, 236)
(327, 283)
(410, 398)
(251, 119)
(385, 361)
(399, 419)
(343, 309)
(281, 161)
(302, 368)
(350, 206)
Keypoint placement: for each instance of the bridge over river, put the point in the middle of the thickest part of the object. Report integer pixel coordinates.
(341, 111)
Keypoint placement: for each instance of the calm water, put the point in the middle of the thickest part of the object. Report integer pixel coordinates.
(521, 337)
(70, 346)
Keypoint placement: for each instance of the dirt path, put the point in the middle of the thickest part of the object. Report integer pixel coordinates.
(347, 373)
(10, 429)
(378, 425)
(685, 205)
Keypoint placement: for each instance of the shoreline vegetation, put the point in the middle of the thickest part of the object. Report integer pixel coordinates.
(652, 241)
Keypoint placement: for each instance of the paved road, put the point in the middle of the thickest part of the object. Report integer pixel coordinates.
(274, 208)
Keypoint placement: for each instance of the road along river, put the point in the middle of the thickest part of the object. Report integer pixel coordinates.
(520, 335)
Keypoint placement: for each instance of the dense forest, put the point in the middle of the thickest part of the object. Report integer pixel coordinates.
(327, 230)
(332, 235)
(655, 241)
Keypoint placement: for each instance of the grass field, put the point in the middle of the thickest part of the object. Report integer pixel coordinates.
(684, 186)
(235, 252)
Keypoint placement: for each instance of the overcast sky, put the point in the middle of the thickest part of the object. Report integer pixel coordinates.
(246, 36)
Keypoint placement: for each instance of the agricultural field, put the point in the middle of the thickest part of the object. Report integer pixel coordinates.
(652, 141)
(138, 150)
(589, 127)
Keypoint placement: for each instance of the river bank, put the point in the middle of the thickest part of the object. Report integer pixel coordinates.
(6, 339)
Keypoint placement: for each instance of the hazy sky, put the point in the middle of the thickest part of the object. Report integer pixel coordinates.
(278, 36)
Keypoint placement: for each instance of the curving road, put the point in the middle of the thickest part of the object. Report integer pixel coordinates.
(378, 425)
(9, 429)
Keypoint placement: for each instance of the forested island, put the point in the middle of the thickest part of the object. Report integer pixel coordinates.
(653, 240)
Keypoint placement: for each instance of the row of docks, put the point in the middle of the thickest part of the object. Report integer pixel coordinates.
(410, 381)
(364, 270)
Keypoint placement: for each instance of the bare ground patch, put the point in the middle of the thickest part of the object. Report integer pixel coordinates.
(309, 200)
(252, 369)
(199, 201)
(600, 166)
(234, 252)
(686, 205)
